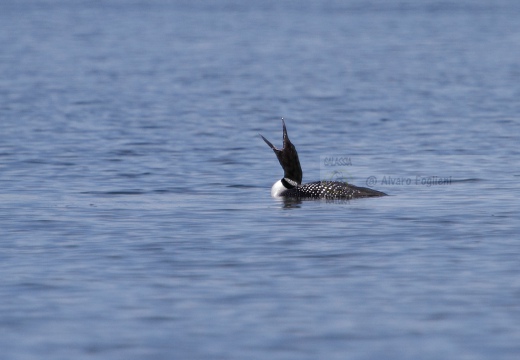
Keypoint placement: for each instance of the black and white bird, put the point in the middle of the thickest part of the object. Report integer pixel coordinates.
(290, 186)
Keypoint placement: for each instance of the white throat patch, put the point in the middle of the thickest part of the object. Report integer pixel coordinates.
(277, 189)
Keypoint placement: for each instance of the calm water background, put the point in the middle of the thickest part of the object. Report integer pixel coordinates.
(135, 216)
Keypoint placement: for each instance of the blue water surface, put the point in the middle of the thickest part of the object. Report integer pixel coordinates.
(135, 213)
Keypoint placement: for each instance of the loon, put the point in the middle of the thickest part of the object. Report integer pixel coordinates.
(290, 186)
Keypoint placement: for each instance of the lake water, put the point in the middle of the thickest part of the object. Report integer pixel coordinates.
(135, 213)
